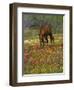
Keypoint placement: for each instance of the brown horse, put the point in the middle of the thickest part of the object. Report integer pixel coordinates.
(45, 31)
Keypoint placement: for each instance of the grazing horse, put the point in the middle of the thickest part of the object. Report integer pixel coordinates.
(45, 31)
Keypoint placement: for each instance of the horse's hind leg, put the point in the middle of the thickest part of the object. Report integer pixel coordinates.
(42, 42)
(52, 39)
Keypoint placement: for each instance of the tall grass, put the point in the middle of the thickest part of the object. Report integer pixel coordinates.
(43, 60)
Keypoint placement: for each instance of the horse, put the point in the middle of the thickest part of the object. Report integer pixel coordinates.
(45, 31)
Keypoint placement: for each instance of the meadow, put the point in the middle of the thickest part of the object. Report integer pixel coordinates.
(48, 59)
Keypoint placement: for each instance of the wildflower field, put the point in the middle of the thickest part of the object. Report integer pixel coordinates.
(48, 59)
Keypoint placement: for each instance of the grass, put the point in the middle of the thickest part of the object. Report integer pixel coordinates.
(48, 59)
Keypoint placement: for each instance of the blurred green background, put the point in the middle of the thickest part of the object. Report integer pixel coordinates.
(31, 23)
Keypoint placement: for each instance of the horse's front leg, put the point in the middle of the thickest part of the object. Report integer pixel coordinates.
(43, 42)
(46, 38)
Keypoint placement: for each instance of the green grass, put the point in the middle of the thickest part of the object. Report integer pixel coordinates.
(48, 59)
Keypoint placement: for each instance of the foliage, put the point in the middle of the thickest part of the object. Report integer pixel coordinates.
(35, 20)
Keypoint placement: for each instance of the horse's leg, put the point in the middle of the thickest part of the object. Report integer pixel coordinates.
(43, 42)
(46, 38)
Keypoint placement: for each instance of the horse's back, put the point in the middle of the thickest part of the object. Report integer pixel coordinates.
(45, 29)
